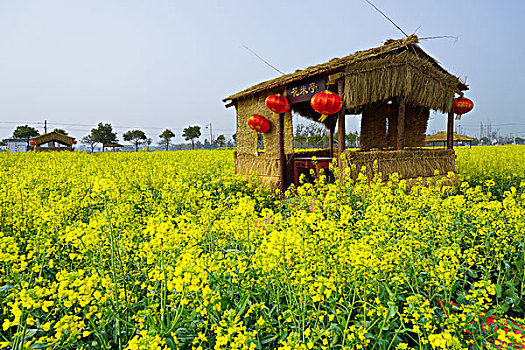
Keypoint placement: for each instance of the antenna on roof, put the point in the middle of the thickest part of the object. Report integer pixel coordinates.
(262, 59)
(381, 12)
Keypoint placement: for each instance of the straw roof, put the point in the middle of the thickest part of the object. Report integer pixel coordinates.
(441, 136)
(113, 144)
(53, 136)
(391, 47)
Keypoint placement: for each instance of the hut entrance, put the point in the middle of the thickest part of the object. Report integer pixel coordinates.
(393, 87)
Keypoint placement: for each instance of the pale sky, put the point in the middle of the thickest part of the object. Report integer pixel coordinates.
(156, 64)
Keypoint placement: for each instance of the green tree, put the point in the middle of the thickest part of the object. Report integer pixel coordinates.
(192, 133)
(88, 140)
(166, 137)
(519, 140)
(25, 132)
(352, 138)
(300, 137)
(136, 137)
(104, 134)
(61, 131)
(220, 140)
(316, 135)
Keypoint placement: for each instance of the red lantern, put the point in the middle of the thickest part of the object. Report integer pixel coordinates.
(32, 143)
(259, 123)
(277, 104)
(74, 142)
(326, 102)
(462, 105)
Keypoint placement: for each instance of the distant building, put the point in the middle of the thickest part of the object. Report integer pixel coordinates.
(53, 141)
(17, 145)
(441, 138)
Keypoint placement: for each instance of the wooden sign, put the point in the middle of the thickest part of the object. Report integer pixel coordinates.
(304, 90)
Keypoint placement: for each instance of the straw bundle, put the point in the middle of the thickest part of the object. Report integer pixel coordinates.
(373, 126)
(248, 164)
(416, 121)
(407, 163)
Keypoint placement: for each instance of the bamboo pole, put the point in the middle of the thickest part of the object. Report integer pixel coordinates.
(280, 145)
(331, 141)
(340, 121)
(450, 130)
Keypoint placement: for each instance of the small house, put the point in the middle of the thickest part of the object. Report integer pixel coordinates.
(393, 87)
(440, 138)
(53, 141)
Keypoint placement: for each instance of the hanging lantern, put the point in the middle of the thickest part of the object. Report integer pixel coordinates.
(74, 142)
(31, 143)
(258, 123)
(277, 104)
(462, 105)
(326, 102)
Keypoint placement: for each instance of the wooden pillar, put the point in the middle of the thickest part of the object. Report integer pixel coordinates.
(400, 144)
(331, 141)
(282, 158)
(450, 130)
(341, 121)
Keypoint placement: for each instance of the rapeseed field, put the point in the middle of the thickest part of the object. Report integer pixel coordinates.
(172, 250)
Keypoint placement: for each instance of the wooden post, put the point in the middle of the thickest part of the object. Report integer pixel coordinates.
(282, 158)
(341, 121)
(450, 130)
(400, 144)
(331, 141)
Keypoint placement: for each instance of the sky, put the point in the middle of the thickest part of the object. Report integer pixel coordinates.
(156, 64)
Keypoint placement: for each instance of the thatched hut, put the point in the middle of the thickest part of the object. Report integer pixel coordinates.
(393, 86)
(114, 146)
(441, 138)
(53, 141)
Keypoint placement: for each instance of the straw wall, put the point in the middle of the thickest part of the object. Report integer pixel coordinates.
(379, 126)
(416, 122)
(391, 135)
(264, 166)
(407, 163)
(49, 149)
(246, 141)
(373, 126)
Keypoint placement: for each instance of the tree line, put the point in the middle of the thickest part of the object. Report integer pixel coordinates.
(315, 135)
(104, 135)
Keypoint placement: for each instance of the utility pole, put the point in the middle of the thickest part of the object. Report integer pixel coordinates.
(45, 126)
(211, 133)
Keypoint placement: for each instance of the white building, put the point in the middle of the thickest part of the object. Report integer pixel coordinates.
(16, 145)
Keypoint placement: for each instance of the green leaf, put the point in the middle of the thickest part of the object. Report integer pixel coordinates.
(497, 287)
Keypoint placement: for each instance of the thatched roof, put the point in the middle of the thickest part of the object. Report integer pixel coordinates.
(53, 136)
(391, 47)
(114, 144)
(441, 136)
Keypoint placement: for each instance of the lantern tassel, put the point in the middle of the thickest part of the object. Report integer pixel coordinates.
(458, 116)
(274, 115)
(323, 117)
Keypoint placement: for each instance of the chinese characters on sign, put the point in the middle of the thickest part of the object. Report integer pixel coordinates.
(304, 90)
